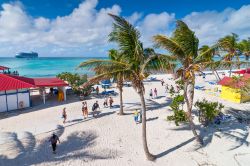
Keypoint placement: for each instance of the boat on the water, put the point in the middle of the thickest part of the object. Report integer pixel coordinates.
(27, 55)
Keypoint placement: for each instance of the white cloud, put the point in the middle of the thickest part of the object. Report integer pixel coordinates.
(154, 24)
(84, 31)
(209, 26)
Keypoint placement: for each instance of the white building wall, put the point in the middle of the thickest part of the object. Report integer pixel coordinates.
(3, 105)
(24, 97)
(12, 102)
(11, 99)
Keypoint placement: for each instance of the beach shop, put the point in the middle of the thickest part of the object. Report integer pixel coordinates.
(15, 90)
(232, 90)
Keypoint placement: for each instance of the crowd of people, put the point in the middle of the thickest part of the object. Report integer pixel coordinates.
(108, 102)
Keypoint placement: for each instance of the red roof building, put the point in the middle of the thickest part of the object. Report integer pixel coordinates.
(42, 82)
(8, 82)
(228, 81)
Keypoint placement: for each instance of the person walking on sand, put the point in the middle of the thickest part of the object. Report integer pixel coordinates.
(155, 93)
(95, 107)
(105, 103)
(111, 102)
(162, 82)
(151, 94)
(85, 109)
(64, 115)
(136, 114)
(53, 140)
(97, 90)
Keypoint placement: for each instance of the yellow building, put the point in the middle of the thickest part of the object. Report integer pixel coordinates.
(232, 91)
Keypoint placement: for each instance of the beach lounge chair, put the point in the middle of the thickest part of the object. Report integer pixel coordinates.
(199, 87)
(106, 84)
(212, 83)
(111, 92)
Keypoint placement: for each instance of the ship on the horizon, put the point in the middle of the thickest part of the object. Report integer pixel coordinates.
(27, 55)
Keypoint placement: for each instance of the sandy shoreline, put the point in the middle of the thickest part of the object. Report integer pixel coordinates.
(116, 140)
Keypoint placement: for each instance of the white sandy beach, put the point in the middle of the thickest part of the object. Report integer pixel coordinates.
(114, 140)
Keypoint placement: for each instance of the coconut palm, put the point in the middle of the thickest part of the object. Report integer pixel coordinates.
(184, 46)
(139, 63)
(245, 47)
(107, 69)
(230, 44)
(134, 64)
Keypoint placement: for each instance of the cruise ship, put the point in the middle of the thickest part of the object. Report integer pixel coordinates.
(27, 55)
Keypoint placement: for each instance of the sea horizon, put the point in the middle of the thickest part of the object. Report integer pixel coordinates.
(46, 66)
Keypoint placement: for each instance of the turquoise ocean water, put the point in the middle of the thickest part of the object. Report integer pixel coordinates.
(44, 66)
(51, 66)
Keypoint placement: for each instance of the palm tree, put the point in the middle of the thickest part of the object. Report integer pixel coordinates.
(245, 47)
(107, 69)
(184, 46)
(212, 64)
(134, 64)
(116, 56)
(139, 64)
(230, 44)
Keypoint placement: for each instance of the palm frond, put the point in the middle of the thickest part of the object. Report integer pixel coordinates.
(170, 45)
(127, 38)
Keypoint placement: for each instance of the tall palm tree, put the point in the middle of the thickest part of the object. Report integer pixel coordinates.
(139, 63)
(134, 64)
(245, 47)
(230, 44)
(107, 69)
(184, 46)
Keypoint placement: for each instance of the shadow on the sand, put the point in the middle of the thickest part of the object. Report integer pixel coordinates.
(174, 148)
(151, 119)
(150, 105)
(75, 146)
(233, 130)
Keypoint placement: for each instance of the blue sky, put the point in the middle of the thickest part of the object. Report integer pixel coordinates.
(80, 27)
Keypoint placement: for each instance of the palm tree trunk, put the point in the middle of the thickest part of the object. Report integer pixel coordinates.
(121, 101)
(217, 74)
(230, 70)
(144, 127)
(189, 102)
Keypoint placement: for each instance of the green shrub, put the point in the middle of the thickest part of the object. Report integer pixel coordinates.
(208, 110)
(179, 114)
(75, 80)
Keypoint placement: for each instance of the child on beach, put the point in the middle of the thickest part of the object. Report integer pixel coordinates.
(162, 82)
(53, 140)
(95, 107)
(97, 90)
(64, 115)
(85, 109)
(155, 93)
(136, 114)
(111, 102)
(105, 103)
